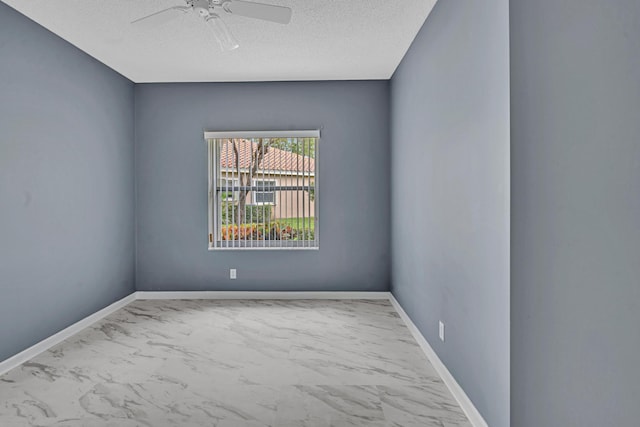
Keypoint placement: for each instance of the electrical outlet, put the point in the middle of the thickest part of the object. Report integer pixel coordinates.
(232, 273)
(441, 330)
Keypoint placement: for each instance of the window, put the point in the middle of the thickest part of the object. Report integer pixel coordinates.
(263, 190)
(263, 195)
(228, 195)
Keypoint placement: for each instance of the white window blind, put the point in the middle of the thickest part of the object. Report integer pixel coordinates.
(263, 190)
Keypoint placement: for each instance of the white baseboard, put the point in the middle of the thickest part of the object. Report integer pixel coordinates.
(147, 295)
(47, 343)
(458, 393)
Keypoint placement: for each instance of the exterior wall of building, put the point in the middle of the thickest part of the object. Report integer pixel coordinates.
(288, 204)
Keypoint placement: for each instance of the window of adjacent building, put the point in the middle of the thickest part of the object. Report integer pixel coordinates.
(263, 190)
(264, 194)
(227, 194)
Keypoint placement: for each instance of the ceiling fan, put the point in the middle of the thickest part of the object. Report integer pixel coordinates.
(210, 10)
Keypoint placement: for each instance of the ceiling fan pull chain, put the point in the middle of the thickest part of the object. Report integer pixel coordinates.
(225, 39)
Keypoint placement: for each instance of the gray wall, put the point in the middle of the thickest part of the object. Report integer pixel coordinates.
(575, 213)
(450, 194)
(66, 184)
(171, 168)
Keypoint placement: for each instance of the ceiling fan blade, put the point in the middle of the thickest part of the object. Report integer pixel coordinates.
(267, 12)
(162, 16)
(221, 32)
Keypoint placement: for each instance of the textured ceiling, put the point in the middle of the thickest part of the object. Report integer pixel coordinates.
(326, 39)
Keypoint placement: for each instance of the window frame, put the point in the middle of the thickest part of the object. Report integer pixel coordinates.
(235, 195)
(256, 192)
(211, 139)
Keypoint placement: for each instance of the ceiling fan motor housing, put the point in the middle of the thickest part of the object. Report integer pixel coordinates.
(202, 7)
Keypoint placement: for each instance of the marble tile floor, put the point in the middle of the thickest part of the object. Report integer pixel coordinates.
(234, 363)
